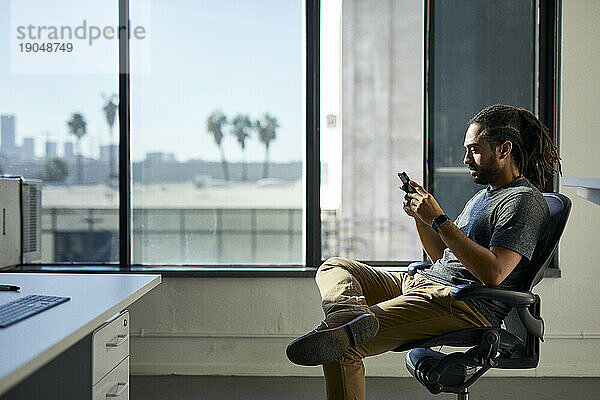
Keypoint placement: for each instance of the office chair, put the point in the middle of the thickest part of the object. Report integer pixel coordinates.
(516, 345)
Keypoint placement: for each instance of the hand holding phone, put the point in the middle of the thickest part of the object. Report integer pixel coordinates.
(406, 183)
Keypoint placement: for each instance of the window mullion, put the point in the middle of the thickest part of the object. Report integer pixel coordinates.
(124, 144)
(313, 204)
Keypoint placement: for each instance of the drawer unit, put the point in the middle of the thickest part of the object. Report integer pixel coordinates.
(110, 346)
(115, 385)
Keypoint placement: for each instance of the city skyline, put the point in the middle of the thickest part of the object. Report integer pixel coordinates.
(254, 67)
(47, 148)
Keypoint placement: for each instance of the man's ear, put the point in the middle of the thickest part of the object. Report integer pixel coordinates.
(505, 149)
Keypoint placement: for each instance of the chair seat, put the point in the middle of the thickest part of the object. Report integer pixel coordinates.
(470, 337)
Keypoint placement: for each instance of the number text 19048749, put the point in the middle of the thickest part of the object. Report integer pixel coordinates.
(49, 47)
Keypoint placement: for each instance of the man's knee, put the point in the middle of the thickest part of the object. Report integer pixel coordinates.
(333, 262)
(330, 263)
(336, 261)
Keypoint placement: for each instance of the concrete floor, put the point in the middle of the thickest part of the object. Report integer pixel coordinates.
(310, 388)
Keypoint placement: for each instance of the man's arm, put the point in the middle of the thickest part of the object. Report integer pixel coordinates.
(490, 266)
(430, 240)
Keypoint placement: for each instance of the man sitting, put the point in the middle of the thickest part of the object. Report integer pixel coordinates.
(369, 311)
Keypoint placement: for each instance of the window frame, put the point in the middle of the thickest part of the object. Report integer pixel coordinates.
(547, 72)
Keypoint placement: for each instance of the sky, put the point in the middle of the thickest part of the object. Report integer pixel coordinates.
(197, 56)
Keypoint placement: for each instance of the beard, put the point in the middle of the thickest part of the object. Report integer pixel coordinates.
(484, 174)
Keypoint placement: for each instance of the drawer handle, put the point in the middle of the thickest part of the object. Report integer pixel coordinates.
(121, 339)
(119, 392)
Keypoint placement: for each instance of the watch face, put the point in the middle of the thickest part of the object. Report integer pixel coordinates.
(439, 221)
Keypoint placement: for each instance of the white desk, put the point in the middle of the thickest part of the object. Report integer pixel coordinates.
(30, 344)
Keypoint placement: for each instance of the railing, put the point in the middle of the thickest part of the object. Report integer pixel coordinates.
(177, 236)
(368, 238)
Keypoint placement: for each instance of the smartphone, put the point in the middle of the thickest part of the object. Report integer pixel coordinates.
(406, 182)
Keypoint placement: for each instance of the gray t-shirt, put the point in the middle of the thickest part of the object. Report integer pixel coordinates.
(511, 216)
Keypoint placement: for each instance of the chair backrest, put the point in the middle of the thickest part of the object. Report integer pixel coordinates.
(559, 207)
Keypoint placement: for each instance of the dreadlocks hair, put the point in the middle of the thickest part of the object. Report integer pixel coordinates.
(533, 151)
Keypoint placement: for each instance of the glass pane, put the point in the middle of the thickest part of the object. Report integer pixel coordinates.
(217, 133)
(371, 126)
(483, 55)
(59, 122)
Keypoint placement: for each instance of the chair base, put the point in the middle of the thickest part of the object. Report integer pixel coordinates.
(448, 373)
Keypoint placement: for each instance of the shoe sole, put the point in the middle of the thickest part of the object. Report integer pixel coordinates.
(324, 346)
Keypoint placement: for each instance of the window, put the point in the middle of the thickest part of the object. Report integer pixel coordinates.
(59, 121)
(217, 132)
(482, 54)
(261, 133)
(371, 127)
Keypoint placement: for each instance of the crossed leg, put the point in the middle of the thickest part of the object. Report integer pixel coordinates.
(408, 308)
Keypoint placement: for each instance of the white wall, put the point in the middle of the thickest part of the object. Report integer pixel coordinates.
(240, 326)
(571, 304)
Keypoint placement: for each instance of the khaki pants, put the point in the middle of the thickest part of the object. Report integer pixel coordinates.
(408, 308)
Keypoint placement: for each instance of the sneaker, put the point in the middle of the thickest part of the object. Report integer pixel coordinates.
(327, 343)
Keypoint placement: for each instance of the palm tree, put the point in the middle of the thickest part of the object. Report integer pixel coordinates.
(55, 170)
(78, 128)
(267, 131)
(239, 128)
(214, 125)
(110, 112)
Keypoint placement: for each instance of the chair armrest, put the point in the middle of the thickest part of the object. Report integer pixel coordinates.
(521, 300)
(507, 296)
(416, 266)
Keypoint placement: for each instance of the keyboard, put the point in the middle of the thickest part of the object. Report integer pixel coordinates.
(26, 307)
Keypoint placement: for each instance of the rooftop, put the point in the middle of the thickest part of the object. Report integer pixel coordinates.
(268, 193)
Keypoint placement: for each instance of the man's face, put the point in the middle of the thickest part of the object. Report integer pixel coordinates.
(480, 158)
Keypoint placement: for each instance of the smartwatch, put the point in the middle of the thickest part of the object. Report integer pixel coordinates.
(439, 221)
